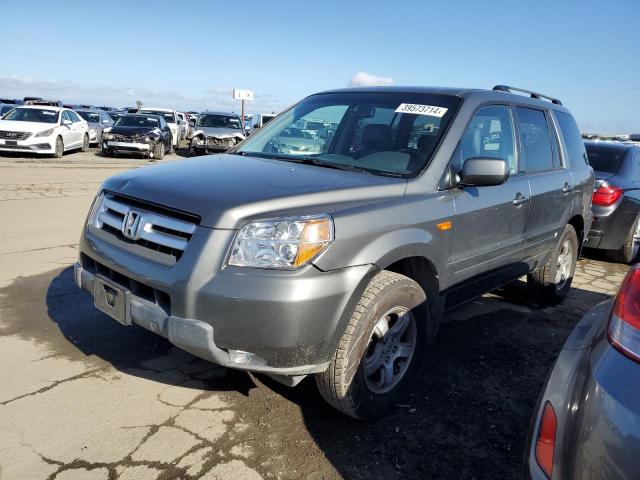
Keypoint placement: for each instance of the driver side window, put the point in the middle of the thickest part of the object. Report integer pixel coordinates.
(490, 134)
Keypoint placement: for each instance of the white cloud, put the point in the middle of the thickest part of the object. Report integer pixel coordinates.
(214, 98)
(364, 79)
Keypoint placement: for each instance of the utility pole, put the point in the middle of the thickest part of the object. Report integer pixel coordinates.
(242, 95)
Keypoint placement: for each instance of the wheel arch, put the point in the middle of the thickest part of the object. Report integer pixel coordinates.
(577, 222)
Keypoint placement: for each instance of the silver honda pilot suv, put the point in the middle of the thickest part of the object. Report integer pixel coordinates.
(334, 254)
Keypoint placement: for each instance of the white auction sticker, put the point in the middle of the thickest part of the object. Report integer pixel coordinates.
(421, 109)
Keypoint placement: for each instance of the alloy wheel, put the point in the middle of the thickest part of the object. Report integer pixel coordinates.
(564, 264)
(390, 349)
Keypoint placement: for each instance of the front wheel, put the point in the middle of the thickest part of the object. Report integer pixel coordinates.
(85, 142)
(381, 349)
(552, 282)
(59, 149)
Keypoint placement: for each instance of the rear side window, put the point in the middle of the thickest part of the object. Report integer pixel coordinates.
(605, 159)
(572, 139)
(535, 140)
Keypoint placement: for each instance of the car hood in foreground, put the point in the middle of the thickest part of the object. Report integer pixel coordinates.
(226, 190)
(219, 132)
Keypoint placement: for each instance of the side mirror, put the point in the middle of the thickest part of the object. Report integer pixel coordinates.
(66, 122)
(483, 172)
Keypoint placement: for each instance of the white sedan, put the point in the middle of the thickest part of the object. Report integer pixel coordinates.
(43, 130)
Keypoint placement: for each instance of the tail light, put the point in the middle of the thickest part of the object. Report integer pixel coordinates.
(546, 441)
(624, 324)
(606, 195)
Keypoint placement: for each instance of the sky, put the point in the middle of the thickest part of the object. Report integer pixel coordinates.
(191, 55)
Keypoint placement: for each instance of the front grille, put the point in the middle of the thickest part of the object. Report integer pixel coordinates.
(226, 142)
(130, 138)
(153, 227)
(7, 135)
(150, 294)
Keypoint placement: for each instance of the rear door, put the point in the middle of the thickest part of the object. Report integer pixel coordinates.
(489, 221)
(551, 181)
(77, 128)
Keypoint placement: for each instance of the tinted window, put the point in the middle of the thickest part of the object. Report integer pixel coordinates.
(572, 139)
(489, 134)
(65, 115)
(90, 116)
(535, 143)
(605, 159)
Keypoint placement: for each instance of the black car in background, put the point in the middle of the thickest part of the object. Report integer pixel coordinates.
(148, 135)
(616, 199)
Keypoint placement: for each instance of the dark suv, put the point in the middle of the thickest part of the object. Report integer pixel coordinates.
(337, 256)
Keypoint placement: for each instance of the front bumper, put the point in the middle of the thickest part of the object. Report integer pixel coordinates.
(31, 145)
(126, 146)
(289, 321)
(594, 392)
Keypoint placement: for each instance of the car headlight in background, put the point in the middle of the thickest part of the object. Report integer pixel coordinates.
(281, 243)
(107, 136)
(45, 133)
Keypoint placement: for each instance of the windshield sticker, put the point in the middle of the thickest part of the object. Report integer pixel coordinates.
(417, 109)
(48, 112)
(152, 119)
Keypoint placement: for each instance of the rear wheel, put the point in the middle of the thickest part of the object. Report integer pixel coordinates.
(59, 149)
(629, 250)
(381, 350)
(552, 282)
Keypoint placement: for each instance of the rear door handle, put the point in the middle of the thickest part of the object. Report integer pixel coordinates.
(567, 188)
(520, 200)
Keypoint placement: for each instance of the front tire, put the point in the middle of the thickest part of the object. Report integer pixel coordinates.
(85, 143)
(381, 349)
(59, 149)
(552, 282)
(629, 251)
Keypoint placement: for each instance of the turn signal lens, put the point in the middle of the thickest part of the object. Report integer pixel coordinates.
(624, 324)
(606, 195)
(546, 441)
(316, 235)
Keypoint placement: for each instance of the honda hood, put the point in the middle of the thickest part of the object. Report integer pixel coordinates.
(227, 190)
(220, 132)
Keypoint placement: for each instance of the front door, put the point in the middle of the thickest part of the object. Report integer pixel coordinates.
(551, 183)
(489, 221)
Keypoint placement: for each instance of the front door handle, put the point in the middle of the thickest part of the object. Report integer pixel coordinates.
(520, 199)
(567, 188)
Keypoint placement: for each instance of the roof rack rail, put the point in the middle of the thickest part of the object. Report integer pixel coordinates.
(506, 88)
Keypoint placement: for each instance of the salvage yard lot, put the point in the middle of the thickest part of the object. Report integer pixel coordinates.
(83, 397)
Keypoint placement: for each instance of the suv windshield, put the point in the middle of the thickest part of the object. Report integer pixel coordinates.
(603, 159)
(218, 121)
(168, 116)
(38, 115)
(380, 132)
(137, 121)
(90, 116)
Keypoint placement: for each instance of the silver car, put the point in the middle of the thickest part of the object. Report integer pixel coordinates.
(587, 424)
(215, 132)
(98, 121)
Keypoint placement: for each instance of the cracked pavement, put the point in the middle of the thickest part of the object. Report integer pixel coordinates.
(82, 397)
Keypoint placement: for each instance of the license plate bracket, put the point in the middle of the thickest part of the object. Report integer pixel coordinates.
(11, 143)
(112, 299)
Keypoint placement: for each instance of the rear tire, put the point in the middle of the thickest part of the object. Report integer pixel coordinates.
(381, 349)
(59, 149)
(552, 282)
(629, 251)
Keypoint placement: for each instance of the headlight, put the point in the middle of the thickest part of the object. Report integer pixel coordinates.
(282, 243)
(45, 133)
